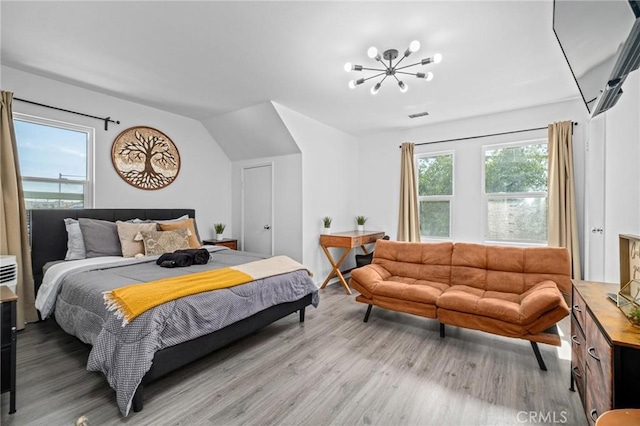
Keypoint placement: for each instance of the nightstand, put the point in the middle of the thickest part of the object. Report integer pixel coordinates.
(8, 301)
(227, 242)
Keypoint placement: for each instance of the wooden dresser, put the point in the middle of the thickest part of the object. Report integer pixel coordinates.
(8, 339)
(605, 353)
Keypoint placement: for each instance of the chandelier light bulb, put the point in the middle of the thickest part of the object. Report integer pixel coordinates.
(437, 58)
(372, 52)
(347, 67)
(414, 46)
(429, 76)
(374, 89)
(403, 87)
(352, 84)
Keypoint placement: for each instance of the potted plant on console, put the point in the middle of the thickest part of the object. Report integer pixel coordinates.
(327, 224)
(360, 220)
(219, 229)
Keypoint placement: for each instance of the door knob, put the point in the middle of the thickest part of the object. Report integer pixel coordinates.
(267, 227)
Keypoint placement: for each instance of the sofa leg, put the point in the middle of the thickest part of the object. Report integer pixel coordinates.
(441, 330)
(366, 316)
(536, 351)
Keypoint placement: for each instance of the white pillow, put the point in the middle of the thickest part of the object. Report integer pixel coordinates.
(75, 243)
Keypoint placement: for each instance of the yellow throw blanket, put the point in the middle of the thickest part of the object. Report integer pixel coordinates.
(133, 300)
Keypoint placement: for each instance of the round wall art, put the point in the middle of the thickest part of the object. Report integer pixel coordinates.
(145, 158)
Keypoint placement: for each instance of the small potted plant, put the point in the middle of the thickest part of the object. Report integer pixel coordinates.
(634, 316)
(219, 228)
(327, 224)
(360, 220)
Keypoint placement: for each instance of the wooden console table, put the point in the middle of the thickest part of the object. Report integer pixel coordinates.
(346, 241)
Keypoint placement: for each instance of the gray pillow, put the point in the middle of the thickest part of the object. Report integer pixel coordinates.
(100, 237)
(75, 243)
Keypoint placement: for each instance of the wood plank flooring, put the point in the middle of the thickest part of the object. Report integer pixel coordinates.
(332, 370)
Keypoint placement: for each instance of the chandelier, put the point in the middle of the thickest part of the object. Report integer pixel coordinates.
(391, 69)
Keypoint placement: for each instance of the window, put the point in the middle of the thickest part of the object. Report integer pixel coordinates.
(55, 163)
(435, 193)
(515, 192)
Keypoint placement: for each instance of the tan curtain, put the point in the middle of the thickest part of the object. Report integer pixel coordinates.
(13, 215)
(408, 222)
(562, 220)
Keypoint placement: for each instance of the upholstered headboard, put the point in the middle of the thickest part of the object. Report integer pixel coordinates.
(49, 235)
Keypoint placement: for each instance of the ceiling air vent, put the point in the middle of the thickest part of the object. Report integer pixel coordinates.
(419, 114)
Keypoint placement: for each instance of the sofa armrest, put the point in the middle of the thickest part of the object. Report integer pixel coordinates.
(366, 279)
(370, 273)
(539, 299)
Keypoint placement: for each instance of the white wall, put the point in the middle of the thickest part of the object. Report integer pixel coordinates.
(204, 182)
(329, 184)
(287, 198)
(622, 174)
(379, 157)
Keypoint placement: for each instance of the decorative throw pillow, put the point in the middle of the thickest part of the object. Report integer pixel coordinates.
(75, 243)
(159, 242)
(100, 237)
(127, 233)
(189, 224)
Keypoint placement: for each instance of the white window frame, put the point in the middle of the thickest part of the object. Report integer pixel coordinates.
(89, 182)
(449, 198)
(505, 195)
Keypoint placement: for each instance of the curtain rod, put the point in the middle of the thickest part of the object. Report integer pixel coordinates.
(484, 136)
(106, 120)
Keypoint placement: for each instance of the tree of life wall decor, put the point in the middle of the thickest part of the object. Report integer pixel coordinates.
(145, 158)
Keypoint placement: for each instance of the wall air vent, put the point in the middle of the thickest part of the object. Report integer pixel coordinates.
(419, 114)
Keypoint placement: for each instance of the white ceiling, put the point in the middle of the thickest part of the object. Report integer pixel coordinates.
(205, 59)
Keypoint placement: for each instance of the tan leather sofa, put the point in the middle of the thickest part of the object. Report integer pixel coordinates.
(510, 291)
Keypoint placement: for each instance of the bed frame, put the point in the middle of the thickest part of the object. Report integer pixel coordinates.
(49, 243)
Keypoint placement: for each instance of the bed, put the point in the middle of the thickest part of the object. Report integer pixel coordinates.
(243, 310)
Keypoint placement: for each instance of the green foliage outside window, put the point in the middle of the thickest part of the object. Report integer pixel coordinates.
(435, 179)
(516, 169)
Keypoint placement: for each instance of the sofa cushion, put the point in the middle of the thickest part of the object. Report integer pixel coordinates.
(410, 289)
(421, 261)
(509, 307)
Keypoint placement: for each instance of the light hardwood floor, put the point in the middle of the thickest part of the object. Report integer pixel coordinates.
(333, 369)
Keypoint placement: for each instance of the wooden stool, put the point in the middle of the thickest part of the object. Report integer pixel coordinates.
(621, 417)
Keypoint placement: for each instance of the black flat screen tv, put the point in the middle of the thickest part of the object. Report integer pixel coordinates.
(601, 43)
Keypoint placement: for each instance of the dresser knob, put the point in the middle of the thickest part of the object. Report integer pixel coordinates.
(574, 339)
(594, 414)
(577, 308)
(592, 353)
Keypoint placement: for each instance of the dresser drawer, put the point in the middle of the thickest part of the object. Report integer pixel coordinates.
(368, 239)
(579, 308)
(595, 406)
(578, 350)
(599, 370)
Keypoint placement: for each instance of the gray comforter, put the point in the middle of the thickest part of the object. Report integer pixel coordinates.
(125, 354)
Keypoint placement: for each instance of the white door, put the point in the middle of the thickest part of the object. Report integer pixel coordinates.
(257, 209)
(595, 200)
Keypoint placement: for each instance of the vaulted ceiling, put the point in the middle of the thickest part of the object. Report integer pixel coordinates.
(206, 59)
